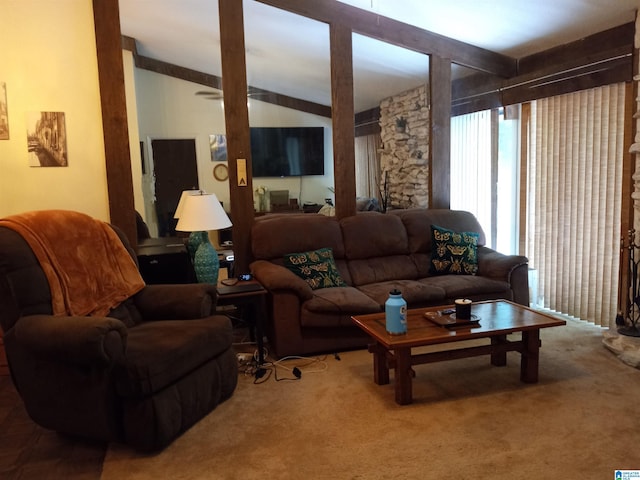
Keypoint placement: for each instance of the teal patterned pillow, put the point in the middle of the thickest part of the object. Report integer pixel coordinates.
(317, 268)
(453, 252)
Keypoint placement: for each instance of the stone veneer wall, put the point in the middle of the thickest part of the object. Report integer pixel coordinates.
(404, 157)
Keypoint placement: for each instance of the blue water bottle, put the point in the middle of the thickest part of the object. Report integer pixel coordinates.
(395, 309)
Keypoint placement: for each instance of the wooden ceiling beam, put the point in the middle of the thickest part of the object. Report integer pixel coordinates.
(214, 81)
(401, 34)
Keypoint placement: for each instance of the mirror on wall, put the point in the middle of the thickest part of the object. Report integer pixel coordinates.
(392, 159)
(179, 119)
(292, 154)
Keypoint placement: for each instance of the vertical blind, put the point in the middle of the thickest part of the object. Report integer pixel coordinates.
(575, 157)
(471, 166)
(367, 166)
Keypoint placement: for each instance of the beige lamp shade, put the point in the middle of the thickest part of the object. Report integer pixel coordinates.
(201, 212)
(178, 211)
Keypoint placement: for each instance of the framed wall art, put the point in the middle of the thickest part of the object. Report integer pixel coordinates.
(47, 139)
(218, 144)
(4, 112)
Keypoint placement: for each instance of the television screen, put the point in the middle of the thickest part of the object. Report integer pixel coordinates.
(287, 151)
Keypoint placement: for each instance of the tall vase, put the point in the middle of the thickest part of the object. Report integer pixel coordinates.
(262, 202)
(195, 239)
(206, 263)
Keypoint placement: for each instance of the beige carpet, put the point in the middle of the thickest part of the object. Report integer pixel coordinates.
(469, 420)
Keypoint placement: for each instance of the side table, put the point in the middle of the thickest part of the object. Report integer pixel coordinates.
(252, 295)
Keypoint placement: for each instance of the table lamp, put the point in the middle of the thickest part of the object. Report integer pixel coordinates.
(195, 238)
(200, 213)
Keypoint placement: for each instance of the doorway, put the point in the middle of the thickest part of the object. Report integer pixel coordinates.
(175, 169)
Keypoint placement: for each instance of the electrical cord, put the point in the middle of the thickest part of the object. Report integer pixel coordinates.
(264, 372)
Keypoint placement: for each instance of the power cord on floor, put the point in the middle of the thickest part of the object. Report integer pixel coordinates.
(264, 372)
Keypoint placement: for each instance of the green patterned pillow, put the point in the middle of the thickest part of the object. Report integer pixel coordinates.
(453, 252)
(317, 268)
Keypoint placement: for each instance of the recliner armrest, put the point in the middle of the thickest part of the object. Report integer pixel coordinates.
(84, 340)
(176, 302)
(276, 277)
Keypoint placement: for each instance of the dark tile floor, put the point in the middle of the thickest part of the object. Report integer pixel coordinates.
(28, 451)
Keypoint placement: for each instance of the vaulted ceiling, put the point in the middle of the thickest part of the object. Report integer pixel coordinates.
(289, 54)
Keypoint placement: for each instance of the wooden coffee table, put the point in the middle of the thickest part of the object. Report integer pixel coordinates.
(497, 319)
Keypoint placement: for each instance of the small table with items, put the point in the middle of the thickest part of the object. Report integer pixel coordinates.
(493, 320)
(252, 295)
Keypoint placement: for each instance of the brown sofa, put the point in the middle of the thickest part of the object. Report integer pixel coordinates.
(374, 253)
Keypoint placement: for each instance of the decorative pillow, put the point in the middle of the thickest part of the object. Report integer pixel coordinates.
(317, 268)
(453, 252)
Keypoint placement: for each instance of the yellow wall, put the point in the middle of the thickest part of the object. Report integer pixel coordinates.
(48, 62)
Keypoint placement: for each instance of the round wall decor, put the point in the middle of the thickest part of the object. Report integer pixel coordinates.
(220, 172)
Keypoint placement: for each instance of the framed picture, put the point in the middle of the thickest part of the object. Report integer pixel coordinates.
(47, 139)
(218, 145)
(4, 112)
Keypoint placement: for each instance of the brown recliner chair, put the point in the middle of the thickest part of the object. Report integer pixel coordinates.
(141, 374)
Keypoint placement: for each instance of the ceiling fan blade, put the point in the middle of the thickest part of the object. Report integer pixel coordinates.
(209, 94)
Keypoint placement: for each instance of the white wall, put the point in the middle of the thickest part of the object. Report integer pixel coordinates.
(169, 108)
(48, 62)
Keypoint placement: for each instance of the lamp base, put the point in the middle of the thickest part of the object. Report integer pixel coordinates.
(195, 239)
(206, 263)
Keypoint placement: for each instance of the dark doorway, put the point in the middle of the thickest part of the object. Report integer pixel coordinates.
(175, 168)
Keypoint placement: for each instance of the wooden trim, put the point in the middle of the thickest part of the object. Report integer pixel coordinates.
(628, 170)
(344, 162)
(525, 132)
(290, 102)
(401, 34)
(440, 148)
(495, 141)
(598, 46)
(214, 81)
(567, 78)
(114, 117)
(368, 122)
(599, 59)
(236, 116)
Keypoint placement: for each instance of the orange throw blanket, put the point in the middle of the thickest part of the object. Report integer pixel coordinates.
(88, 268)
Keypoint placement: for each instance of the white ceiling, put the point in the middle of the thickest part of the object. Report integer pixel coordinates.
(289, 54)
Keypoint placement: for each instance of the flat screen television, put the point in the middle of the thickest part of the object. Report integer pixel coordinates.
(287, 151)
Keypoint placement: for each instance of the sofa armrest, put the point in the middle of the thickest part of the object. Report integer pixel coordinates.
(85, 340)
(175, 302)
(496, 265)
(507, 268)
(276, 277)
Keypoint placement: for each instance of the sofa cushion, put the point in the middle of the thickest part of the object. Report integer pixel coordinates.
(382, 269)
(416, 293)
(373, 234)
(418, 223)
(341, 300)
(469, 286)
(332, 307)
(316, 267)
(453, 252)
(275, 235)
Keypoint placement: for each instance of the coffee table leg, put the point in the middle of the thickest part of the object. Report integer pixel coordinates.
(403, 374)
(380, 365)
(530, 355)
(499, 359)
